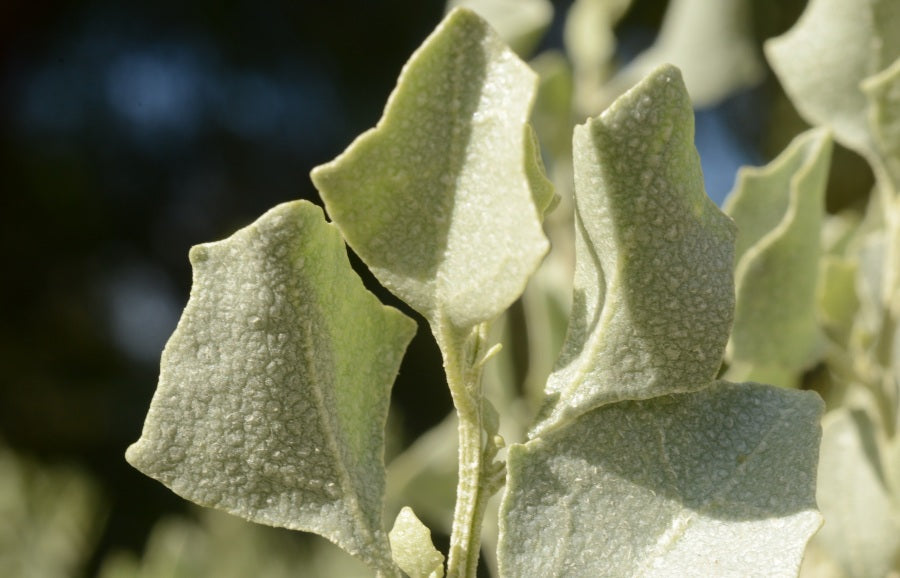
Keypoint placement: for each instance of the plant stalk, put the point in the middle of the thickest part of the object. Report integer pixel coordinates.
(464, 357)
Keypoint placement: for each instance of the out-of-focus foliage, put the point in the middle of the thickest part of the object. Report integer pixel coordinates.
(215, 544)
(50, 518)
(779, 211)
(840, 64)
(710, 42)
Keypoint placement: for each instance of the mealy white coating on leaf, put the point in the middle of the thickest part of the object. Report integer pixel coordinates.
(274, 389)
(823, 59)
(862, 529)
(779, 211)
(436, 198)
(718, 482)
(413, 549)
(654, 289)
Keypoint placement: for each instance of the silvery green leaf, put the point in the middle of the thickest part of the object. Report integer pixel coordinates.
(823, 60)
(861, 534)
(520, 23)
(413, 549)
(654, 289)
(711, 42)
(779, 210)
(274, 388)
(718, 482)
(436, 199)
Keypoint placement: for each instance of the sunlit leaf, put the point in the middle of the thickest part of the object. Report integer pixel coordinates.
(520, 23)
(274, 388)
(654, 290)
(413, 550)
(436, 199)
(779, 210)
(719, 482)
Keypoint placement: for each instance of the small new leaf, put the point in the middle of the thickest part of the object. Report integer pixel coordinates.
(654, 291)
(413, 549)
(274, 389)
(437, 198)
(719, 482)
(779, 210)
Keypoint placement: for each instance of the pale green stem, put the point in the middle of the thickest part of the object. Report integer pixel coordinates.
(463, 360)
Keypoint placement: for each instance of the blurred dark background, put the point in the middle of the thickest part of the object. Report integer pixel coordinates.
(132, 131)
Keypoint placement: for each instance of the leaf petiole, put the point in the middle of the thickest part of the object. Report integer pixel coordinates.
(464, 359)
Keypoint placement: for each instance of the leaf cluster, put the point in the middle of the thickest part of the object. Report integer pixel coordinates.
(651, 444)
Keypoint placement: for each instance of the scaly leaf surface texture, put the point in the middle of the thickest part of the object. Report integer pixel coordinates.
(437, 198)
(719, 482)
(273, 391)
(654, 289)
(645, 464)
